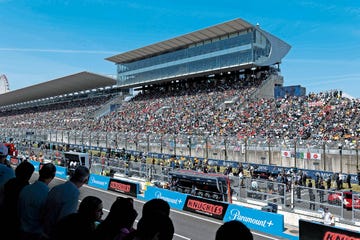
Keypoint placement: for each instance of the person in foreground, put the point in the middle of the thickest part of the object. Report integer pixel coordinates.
(156, 205)
(63, 200)
(232, 230)
(119, 222)
(82, 224)
(12, 189)
(157, 226)
(31, 203)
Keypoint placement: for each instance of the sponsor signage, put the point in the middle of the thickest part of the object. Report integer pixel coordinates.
(268, 222)
(36, 165)
(98, 181)
(313, 230)
(128, 188)
(205, 207)
(176, 200)
(61, 172)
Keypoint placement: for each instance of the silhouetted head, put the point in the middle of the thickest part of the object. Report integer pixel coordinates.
(156, 226)
(156, 205)
(232, 229)
(122, 212)
(80, 175)
(48, 170)
(91, 208)
(24, 171)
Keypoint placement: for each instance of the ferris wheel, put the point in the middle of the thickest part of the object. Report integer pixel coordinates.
(4, 84)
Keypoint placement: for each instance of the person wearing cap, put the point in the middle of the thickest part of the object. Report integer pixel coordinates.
(6, 171)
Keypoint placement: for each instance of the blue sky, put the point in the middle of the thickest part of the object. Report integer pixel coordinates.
(48, 39)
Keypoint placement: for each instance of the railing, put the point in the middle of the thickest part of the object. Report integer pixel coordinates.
(288, 196)
(296, 153)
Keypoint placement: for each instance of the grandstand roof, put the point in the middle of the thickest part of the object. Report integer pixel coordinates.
(236, 25)
(69, 84)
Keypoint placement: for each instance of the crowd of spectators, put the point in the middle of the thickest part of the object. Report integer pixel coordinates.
(222, 107)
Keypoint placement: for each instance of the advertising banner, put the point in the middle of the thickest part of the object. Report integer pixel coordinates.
(36, 165)
(61, 172)
(175, 199)
(98, 181)
(309, 230)
(268, 222)
(128, 188)
(205, 207)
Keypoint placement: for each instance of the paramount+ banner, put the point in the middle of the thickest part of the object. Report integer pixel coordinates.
(205, 207)
(262, 221)
(313, 230)
(128, 188)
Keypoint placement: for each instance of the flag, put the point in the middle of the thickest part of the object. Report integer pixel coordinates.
(286, 154)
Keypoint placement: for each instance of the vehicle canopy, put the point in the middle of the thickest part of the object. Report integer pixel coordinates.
(209, 185)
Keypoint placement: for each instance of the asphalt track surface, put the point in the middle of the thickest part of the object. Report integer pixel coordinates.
(188, 226)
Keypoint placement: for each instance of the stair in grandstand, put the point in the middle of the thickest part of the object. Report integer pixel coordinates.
(111, 105)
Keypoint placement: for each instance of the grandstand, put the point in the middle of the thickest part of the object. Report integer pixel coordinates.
(214, 87)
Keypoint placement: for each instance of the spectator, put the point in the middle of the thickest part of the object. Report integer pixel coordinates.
(311, 195)
(338, 183)
(6, 171)
(12, 189)
(63, 199)
(321, 191)
(156, 205)
(328, 217)
(119, 222)
(31, 203)
(328, 183)
(82, 224)
(156, 226)
(233, 229)
(348, 180)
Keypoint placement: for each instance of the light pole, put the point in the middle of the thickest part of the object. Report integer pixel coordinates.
(161, 143)
(269, 149)
(206, 148)
(189, 146)
(126, 141)
(225, 149)
(116, 141)
(148, 143)
(340, 152)
(175, 145)
(295, 156)
(324, 156)
(357, 154)
(245, 150)
(82, 140)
